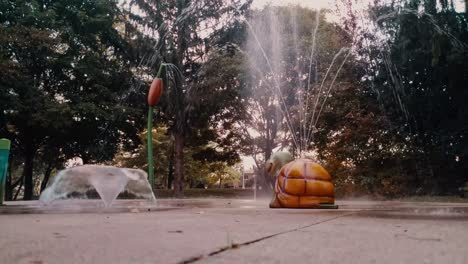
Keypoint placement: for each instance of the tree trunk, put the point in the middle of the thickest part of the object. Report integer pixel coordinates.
(268, 182)
(179, 165)
(179, 103)
(12, 188)
(85, 159)
(466, 9)
(170, 174)
(28, 171)
(430, 180)
(19, 188)
(46, 177)
(180, 115)
(8, 185)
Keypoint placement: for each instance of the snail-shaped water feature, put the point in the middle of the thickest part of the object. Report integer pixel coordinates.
(300, 183)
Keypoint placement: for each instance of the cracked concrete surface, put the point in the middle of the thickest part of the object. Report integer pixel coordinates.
(235, 231)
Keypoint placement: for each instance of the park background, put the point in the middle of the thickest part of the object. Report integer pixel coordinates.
(74, 76)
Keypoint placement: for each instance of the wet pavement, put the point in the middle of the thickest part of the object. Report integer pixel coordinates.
(232, 231)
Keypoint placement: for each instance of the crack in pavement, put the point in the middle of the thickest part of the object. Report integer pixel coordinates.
(236, 246)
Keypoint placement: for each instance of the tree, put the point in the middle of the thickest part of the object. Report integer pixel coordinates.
(432, 76)
(413, 60)
(181, 33)
(64, 70)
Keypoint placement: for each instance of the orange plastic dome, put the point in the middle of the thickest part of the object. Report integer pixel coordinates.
(303, 184)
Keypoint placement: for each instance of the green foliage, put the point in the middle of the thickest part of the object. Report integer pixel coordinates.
(395, 123)
(183, 33)
(162, 153)
(199, 173)
(64, 72)
(402, 128)
(430, 56)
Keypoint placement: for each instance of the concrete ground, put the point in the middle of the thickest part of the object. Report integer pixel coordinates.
(233, 231)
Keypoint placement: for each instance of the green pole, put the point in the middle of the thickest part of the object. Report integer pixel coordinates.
(4, 153)
(149, 137)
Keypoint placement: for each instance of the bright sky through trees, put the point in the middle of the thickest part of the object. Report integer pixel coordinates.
(305, 3)
(330, 4)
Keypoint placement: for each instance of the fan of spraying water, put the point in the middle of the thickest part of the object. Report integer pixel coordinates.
(273, 40)
(108, 182)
